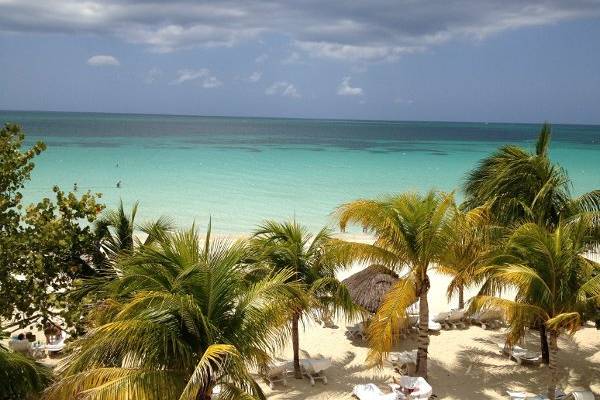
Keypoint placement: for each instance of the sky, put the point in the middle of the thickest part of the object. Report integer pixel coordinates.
(449, 60)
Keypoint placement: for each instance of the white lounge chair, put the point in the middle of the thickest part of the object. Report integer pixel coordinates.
(421, 389)
(580, 395)
(521, 355)
(314, 368)
(370, 391)
(277, 372)
(560, 395)
(491, 318)
(403, 360)
(58, 344)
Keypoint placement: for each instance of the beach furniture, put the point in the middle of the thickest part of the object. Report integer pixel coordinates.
(451, 319)
(21, 346)
(356, 331)
(410, 387)
(560, 395)
(314, 368)
(490, 318)
(277, 372)
(521, 355)
(57, 344)
(404, 361)
(370, 391)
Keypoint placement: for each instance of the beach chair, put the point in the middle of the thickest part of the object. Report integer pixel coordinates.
(356, 331)
(314, 368)
(58, 344)
(404, 362)
(420, 388)
(490, 318)
(521, 355)
(559, 394)
(580, 395)
(276, 372)
(21, 346)
(370, 391)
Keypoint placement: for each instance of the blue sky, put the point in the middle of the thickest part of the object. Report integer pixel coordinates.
(519, 61)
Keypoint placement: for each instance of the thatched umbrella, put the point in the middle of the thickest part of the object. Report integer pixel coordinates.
(369, 286)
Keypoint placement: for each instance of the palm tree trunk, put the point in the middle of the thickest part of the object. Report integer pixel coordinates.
(296, 345)
(423, 339)
(544, 344)
(553, 347)
(461, 297)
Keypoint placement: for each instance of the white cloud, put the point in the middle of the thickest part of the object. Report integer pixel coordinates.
(261, 58)
(345, 89)
(282, 88)
(203, 74)
(400, 100)
(255, 76)
(103, 60)
(152, 75)
(293, 58)
(371, 31)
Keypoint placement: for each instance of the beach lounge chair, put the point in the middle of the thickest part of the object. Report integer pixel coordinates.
(404, 361)
(451, 319)
(356, 331)
(521, 355)
(314, 368)
(420, 388)
(560, 395)
(490, 318)
(21, 346)
(58, 344)
(370, 391)
(277, 372)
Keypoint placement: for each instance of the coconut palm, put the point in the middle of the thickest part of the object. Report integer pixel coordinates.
(554, 283)
(289, 246)
(469, 245)
(524, 186)
(410, 230)
(182, 319)
(527, 187)
(21, 377)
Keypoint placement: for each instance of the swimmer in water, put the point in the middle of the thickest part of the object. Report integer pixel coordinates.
(119, 185)
(75, 187)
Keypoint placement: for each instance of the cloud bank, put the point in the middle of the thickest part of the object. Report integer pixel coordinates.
(366, 31)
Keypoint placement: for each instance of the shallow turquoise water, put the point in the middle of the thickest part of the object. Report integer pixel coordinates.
(241, 171)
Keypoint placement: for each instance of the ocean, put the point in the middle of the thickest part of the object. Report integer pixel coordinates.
(240, 171)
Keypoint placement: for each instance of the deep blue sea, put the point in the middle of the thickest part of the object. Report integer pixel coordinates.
(243, 170)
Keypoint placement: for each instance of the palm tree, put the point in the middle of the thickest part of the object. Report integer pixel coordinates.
(555, 284)
(288, 246)
(21, 377)
(410, 230)
(523, 186)
(182, 319)
(469, 243)
(527, 187)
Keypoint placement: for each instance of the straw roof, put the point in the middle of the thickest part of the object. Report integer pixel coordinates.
(369, 286)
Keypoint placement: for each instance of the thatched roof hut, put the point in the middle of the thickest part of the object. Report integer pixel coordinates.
(369, 286)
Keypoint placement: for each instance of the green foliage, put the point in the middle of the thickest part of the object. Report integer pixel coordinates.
(43, 246)
(181, 318)
(21, 377)
(526, 187)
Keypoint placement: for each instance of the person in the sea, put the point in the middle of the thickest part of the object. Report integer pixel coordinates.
(119, 185)
(75, 187)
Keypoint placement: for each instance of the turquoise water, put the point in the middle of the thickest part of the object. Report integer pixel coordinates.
(243, 170)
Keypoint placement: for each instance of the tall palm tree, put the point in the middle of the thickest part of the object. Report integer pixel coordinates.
(527, 187)
(182, 319)
(469, 245)
(289, 246)
(555, 284)
(410, 230)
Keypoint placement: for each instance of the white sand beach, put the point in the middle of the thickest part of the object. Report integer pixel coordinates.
(463, 364)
